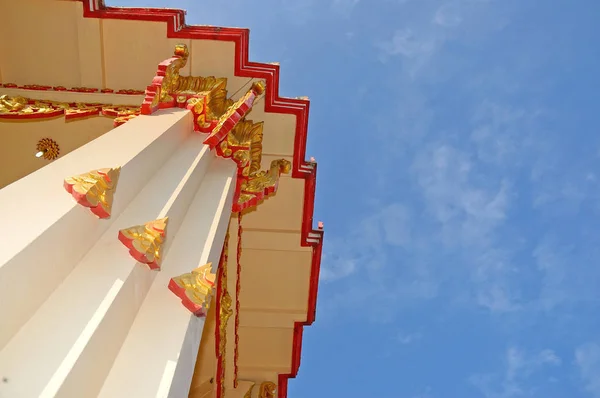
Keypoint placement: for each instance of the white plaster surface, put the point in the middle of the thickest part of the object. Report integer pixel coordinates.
(164, 333)
(46, 232)
(91, 312)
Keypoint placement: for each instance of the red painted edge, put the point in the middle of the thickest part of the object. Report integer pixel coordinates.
(176, 28)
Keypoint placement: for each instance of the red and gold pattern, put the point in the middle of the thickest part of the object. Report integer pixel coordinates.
(206, 97)
(238, 289)
(244, 145)
(195, 289)
(224, 312)
(234, 114)
(72, 89)
(95, 189)
(145, 241)
(27, 108)
(258, 186)
(121, 113)
(159, 94)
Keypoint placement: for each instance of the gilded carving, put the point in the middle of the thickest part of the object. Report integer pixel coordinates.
(225, 312)
(206, 97)
(195, 289)
(48, 148)
(95, 189)
(171, 75)
(234, 114)
(238, 290)
(27, 108)
(208, 103)
(244, 145)
(20, 107)
(267, 390)
(121, 113)
(260, 185)
(145, 241)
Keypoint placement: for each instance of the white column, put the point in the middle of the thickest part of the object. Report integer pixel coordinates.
(45, 232)
(68, 347)
(159, 354)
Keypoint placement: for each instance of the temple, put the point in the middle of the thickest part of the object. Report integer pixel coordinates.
(158, 236)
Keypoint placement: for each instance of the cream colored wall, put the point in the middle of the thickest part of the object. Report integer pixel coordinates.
(40, 42)
(19, 139)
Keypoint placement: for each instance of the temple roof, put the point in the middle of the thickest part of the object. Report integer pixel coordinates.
(84, 44)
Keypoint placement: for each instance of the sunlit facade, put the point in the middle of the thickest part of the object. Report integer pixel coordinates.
(158, 236)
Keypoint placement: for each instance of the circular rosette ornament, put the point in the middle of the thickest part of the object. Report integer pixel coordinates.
(47, 148)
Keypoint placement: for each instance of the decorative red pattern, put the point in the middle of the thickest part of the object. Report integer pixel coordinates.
(176, 28)
(72, 89)
(238, 289)
(151, 103)
(218, 296)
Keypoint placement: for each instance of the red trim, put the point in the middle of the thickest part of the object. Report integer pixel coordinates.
(176, 28)
(219, 295)
(37, 87)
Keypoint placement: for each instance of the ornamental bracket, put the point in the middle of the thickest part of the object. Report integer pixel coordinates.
(95, 189)
(195, 289)
(145, 241)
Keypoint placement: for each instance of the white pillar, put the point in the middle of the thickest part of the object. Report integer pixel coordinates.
(45, 232)
(159, 354)
(68, 347)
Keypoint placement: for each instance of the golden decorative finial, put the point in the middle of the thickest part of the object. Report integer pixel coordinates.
(195, 289)
(145, 241)
(94, 189)
(259, 87)
(182, 51)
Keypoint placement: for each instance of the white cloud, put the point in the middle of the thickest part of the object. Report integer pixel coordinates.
(407, 43)
(587, 358)
(514, 381)
(467, 213)
(408, 338)
(448, 15)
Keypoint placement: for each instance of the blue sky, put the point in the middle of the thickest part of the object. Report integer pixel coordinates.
(458, 181)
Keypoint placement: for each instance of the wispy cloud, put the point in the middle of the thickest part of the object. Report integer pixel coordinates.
(587, 358)
(514, 381)
(448, 15)
(408, 338)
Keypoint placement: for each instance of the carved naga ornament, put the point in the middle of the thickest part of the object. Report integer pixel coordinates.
(195, 289)
(208, 95)
(145, 241)
(230, 133)
(95, 189)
